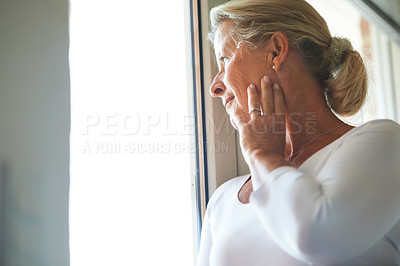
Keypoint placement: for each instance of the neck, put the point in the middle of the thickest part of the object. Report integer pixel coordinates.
(308, 115)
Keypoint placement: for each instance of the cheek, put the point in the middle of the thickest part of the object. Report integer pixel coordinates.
(238, 81)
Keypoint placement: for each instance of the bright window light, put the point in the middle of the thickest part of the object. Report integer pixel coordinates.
(130, 195)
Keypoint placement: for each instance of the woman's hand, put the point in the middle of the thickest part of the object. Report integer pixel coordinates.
(262, 135)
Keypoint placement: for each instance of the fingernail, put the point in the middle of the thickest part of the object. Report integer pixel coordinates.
(252, 86)
(266, 78)
(276, 86)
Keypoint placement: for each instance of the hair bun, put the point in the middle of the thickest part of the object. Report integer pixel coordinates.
(337, 49)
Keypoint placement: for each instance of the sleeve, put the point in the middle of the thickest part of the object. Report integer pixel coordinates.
(341, 212)
(203, 257)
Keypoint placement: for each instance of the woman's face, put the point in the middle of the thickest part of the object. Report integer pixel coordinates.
(239, 66)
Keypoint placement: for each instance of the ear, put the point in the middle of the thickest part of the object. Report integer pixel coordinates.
(279, 49)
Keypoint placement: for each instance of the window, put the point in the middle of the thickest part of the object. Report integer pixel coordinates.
(131, 134)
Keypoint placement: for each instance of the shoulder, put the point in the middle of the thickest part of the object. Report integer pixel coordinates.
(376, 131)
(377, 141)
(374, 143)
(380, 126)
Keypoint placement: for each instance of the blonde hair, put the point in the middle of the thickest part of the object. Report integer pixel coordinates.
(331, 61)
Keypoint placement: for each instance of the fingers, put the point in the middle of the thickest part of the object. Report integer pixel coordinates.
(267, 102)
(254, 102)
(272, 104)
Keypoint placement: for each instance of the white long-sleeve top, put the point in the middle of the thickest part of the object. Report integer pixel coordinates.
(341, 207)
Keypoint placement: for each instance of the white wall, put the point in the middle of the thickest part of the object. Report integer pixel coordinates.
(34, 132)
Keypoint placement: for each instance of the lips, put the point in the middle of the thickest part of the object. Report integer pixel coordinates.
(228, 100)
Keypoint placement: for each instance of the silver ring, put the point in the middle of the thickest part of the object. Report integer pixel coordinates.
(252, 109)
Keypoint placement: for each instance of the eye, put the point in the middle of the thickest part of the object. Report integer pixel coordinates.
(223, 59)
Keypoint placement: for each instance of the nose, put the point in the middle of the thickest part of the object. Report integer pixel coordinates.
(217, 88)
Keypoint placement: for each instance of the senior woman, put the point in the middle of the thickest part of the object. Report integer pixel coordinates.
(321, 193)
